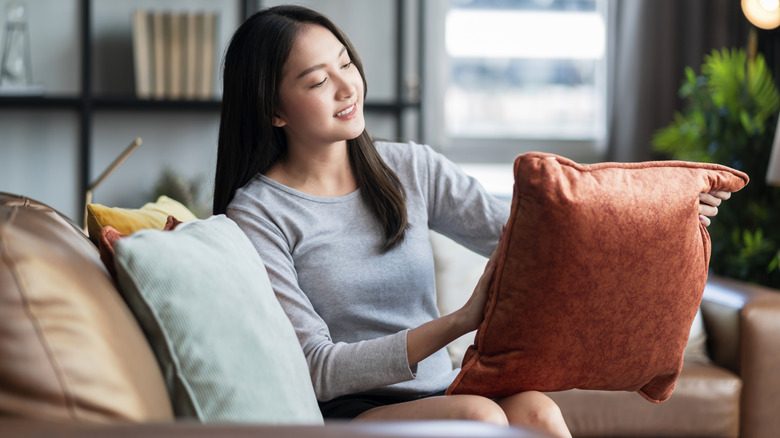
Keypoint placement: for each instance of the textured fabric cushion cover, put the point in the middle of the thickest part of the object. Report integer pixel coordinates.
(457, 271)
(129, 220)
(70, 349)
(599, 276)
(227, 349)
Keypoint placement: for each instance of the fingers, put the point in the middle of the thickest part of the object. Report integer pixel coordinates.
(487, 275)
(710, 199)
(721, 195)
(707, 210)
(494, 256)
(708, 205)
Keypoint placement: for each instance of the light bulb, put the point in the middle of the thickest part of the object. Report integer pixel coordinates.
(769, 5)
(764, 14)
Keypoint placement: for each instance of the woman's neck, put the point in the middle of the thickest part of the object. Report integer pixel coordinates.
(323, 172)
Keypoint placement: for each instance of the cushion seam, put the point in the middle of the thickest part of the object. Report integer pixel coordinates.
(636, 165)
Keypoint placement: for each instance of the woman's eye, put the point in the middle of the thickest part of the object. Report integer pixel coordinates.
(319, 84)
(347, 65)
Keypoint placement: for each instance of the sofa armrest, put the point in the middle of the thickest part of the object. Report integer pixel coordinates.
(743, 328)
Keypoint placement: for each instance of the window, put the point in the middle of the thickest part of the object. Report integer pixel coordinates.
(521, 75)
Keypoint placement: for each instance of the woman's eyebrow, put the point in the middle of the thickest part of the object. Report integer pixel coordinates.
(319, 66)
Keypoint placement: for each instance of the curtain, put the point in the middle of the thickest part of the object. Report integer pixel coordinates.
(651, 43)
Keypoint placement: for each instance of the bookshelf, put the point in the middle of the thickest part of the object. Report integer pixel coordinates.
(87, 103)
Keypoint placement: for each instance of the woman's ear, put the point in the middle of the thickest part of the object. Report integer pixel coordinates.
(277, 121)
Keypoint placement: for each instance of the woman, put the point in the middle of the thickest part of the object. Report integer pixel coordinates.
(342, 224)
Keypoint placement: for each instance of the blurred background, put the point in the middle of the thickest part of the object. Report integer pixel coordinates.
(479, 80)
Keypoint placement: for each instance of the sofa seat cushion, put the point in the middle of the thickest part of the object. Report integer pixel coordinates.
(69, 347)
(705, 403)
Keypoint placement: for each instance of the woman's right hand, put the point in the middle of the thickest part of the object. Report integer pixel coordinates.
(428, 338)
(473, 312)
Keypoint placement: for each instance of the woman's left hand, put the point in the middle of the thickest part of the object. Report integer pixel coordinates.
(708, 205)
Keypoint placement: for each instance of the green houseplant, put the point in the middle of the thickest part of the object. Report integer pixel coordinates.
(729, 118)
(189, 192)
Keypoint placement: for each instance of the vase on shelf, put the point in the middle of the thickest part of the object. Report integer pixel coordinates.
(15, 64)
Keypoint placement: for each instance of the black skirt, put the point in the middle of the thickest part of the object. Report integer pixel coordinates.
(350, 406)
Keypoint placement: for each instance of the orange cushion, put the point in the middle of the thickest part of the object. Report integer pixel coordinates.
(598, 278)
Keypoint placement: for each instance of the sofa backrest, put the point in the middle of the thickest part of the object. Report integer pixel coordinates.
(70, 347)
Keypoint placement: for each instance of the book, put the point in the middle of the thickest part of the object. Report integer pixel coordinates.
(190, 55)
(158, 48)
(207, 66)
(174, 54)
(175, 47)
(142, 54)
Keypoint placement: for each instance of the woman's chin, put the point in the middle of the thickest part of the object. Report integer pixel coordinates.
(357, 130)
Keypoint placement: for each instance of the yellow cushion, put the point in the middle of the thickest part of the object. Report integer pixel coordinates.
(128, 220)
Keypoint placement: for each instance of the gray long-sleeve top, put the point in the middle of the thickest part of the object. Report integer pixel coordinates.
(350, 303)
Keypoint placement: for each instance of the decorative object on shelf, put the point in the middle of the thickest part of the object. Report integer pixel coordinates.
(15, 67)
(109, 170)
(728, 109)
(190, 193)
(174, 54)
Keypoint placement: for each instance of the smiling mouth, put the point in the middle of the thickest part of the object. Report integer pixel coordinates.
(346, 111)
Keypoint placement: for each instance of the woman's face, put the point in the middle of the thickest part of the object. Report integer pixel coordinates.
(321, 91)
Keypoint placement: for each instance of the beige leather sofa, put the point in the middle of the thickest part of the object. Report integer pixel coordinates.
(737, 393)
(74, 363)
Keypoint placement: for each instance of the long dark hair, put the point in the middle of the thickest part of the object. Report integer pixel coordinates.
(249, 143)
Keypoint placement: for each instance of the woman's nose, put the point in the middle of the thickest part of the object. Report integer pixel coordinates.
(345, 88)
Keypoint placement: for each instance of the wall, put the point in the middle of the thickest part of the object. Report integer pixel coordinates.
(39, 149)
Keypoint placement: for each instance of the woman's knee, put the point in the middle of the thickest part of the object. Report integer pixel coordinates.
(533, 408)
(477, 408)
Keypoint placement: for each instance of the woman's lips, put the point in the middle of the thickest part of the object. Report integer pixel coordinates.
(351, 109)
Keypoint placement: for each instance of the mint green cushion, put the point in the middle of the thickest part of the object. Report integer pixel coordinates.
(226, 348)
